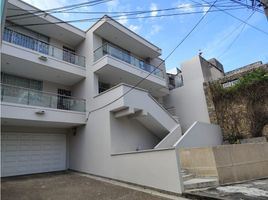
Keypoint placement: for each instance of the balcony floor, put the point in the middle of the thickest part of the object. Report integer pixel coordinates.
(24, 62)
(24, 115)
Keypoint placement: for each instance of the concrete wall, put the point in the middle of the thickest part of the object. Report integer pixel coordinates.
(200, 134)
(53, 87)
(230, 163)
(129, 135)
(171, 139)
(157, 169)
(189, 100)
(198, 161)
(241, 162)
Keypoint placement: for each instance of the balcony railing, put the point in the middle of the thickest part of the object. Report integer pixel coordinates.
(42, 47)
(26, 96)
(109, 49)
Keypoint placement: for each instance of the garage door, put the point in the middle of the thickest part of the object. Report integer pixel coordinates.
(28, 153)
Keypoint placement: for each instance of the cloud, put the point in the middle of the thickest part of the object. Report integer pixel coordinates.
(134, 28)
(123, 20)
(186, 7)
(112, 5)
(153, 9)
(172, 70)
(48, 4)
(205, 8)
(155, 29)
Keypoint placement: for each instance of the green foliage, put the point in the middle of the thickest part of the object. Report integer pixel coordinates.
(254, 77)
(252, 88)
(234, 138)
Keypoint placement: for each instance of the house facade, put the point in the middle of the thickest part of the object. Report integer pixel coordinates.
(91, 101)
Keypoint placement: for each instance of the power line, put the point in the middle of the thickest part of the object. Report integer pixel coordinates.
(227, 35)
(238, 35)
(118, 17)
(248, 6)
(73, 6)
(252, 26)
(138, 83)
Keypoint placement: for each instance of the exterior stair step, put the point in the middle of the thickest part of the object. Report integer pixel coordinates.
(187, 177)
(199, 183)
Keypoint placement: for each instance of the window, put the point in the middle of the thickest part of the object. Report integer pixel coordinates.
(21, 82)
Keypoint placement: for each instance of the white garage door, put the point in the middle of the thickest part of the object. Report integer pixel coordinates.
(28, 153)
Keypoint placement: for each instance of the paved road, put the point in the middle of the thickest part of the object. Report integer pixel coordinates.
(67, 186)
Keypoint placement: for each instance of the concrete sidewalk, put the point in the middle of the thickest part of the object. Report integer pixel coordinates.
(69, 186)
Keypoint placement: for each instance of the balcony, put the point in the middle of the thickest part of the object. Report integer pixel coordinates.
(109, 49)
(31, 58)
(19, 103)
(114, 66)
(42, 47)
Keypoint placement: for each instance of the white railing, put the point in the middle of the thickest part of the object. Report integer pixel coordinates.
(26, 41)
(26, 96)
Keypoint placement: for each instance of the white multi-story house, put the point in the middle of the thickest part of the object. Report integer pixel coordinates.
(68, 101)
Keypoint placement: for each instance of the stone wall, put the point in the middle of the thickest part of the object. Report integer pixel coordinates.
(237, 115)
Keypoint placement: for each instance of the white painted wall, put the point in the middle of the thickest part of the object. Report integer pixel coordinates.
(189, 100)
(129, 135)
(51, 117)
(201, 134)
(170, 139)
(53, 87)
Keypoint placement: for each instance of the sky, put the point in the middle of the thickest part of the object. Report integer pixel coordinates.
(218, 36)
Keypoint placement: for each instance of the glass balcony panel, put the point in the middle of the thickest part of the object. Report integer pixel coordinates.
(42, 47)
(14, 94)
(126, 57)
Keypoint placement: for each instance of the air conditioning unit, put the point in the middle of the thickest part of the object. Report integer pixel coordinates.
(44, 58)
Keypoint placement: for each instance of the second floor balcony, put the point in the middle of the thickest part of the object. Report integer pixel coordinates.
(116, 52)
(28, 107)
(42, 47)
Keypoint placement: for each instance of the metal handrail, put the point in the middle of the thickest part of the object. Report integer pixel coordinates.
(43, 92)
(45, 43)
(124, 51)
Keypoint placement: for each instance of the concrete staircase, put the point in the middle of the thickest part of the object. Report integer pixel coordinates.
(191, 182)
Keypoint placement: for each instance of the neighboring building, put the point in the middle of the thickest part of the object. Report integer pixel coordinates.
(188, 101)
(68, 102)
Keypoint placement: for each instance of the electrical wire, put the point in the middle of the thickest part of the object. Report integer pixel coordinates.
(48, 11)
(237, 18)
(174, 49)
(238, 35)
(71, 7)
(118, 17)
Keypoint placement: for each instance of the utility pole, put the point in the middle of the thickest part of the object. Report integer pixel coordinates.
(265, 6)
